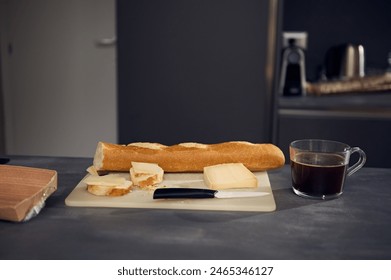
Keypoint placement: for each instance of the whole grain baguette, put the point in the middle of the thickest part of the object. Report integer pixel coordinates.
(188, 157)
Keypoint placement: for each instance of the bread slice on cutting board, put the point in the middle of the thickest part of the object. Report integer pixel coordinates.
(145, 174)
(107, 185)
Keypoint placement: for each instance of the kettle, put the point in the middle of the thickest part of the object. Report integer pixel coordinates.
(345, 61)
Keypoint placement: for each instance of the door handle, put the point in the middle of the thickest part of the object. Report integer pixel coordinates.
(106, 42)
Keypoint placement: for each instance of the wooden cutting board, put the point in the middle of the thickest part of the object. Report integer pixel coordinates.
(22, 189)
(79, 197)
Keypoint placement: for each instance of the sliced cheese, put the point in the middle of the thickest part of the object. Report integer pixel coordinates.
(229, 176)
(119, 190)
(106, 180)
(92, 170)
(147, 168)
(145, 174)
(108, 185)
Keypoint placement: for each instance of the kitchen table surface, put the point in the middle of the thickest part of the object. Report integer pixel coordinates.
(355, 226)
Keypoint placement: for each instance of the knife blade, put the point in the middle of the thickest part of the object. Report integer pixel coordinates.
(161, 193)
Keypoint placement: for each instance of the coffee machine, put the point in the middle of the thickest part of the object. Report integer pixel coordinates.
(293, 77)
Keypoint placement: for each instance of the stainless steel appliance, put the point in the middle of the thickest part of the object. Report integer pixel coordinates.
(345, 61)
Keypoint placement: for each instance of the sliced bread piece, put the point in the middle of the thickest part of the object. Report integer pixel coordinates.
(107, 185)
(145, 174)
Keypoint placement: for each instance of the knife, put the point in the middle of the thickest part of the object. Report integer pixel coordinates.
(201, 193)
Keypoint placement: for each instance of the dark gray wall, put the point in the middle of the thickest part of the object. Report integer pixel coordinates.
(334, 22)
(354, 131)
(194, 70)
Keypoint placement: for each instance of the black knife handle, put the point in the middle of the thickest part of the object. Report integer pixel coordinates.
(183, 193)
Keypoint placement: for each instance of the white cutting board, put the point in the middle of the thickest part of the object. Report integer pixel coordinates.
(79, 197)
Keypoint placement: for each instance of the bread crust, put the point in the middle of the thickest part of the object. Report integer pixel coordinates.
(187, 157)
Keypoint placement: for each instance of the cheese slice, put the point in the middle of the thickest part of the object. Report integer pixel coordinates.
(110, 190)
(229, 176)
(145, 174)
(106, 180)
(107, 185)
(92, 170)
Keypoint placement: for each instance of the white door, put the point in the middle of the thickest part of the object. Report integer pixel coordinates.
(59, 82)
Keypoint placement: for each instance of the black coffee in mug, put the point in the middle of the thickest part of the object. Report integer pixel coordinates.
(317, 174)
(319, 167)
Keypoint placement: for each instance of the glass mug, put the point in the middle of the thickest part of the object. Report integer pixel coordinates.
(319, 167)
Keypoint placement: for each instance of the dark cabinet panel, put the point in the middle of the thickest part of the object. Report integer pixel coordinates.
(195, 70)
(369, 131)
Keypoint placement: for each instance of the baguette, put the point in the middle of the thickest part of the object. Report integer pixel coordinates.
(188, 157)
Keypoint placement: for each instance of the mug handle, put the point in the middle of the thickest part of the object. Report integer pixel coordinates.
(360, 163)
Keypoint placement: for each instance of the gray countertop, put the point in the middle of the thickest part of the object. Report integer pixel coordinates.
(355, 226)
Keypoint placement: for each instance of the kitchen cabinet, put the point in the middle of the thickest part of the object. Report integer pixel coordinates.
(362, 120)
(196, 71)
